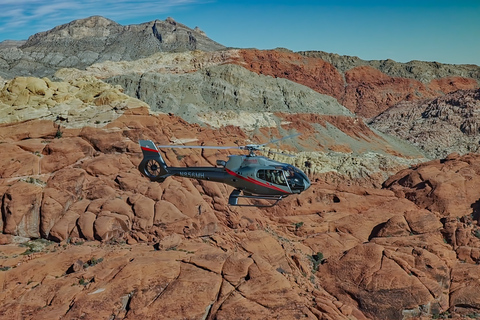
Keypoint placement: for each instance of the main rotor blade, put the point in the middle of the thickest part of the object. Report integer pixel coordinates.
(197, 147)
(280, 139)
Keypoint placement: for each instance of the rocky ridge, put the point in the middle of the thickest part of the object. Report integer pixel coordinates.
(329, 142)
(422, 71)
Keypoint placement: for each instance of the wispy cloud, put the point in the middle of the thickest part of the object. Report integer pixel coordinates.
(22, 18)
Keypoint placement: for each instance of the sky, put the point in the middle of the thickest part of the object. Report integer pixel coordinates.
(401, 30)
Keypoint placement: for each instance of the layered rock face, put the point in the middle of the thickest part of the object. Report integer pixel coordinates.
(225, 88)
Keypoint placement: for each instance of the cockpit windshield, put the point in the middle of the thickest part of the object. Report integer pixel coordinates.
(296, 179)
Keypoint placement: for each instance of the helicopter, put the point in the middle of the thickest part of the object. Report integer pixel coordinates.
(252, 176)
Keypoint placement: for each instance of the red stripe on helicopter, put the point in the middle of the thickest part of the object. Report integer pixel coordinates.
(248, 179)
(148, 149)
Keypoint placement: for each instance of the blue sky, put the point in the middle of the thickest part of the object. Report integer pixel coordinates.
(402, 30)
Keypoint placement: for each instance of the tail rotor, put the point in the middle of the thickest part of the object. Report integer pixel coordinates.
(153, 166)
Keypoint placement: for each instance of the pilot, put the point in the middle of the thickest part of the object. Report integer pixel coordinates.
(289, 173)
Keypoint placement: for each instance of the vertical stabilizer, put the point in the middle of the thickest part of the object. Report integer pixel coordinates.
(153, 166)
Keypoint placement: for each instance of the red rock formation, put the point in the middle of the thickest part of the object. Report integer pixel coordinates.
(334, 252)
(315, 73)
(364, 90)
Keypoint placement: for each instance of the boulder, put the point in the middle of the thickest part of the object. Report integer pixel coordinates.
(144, 210)
(65, 225)
(166, 212)
(108, 226)
(85, 224)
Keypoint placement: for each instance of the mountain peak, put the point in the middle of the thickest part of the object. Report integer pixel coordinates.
(83, 42)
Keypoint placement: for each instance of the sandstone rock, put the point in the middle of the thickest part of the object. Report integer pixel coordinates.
(99, 189)
(362, 279)
(448, 187)
(107, 165)
(65, 225)
(54, 205)
(465, 286)
(111, 140)
(358, 83)
(208, 258)
(317, 74)
(61, 192)
(369, 91)
(29, 130)
(395, 226)
(265, 246)
(118, 206)
(85, 225)
(109, 226)
(419, 70)
(5, 239)
(423, 221)
(144, 209)
(166, 212)
(235, 268)
(76, 267)
(21, 209)
(197, 288)
(16, 162)
(77, 103)
(60, 153)
(261, 272)
(184, 196)
(262, 260)
(170, 242)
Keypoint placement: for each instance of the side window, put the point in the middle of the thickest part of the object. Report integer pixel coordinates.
(261, 174)
(272, 176)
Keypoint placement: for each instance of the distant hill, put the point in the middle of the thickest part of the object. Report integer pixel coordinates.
(83, 42)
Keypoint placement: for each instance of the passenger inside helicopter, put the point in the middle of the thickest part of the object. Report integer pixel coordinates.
(295, 179)
(272, 176)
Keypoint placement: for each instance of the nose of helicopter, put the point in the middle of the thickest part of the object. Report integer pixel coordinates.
(306, 184)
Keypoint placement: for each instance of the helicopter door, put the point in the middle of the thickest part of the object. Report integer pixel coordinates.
(272, 176)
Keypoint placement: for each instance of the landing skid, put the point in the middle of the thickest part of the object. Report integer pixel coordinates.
(233, 199)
